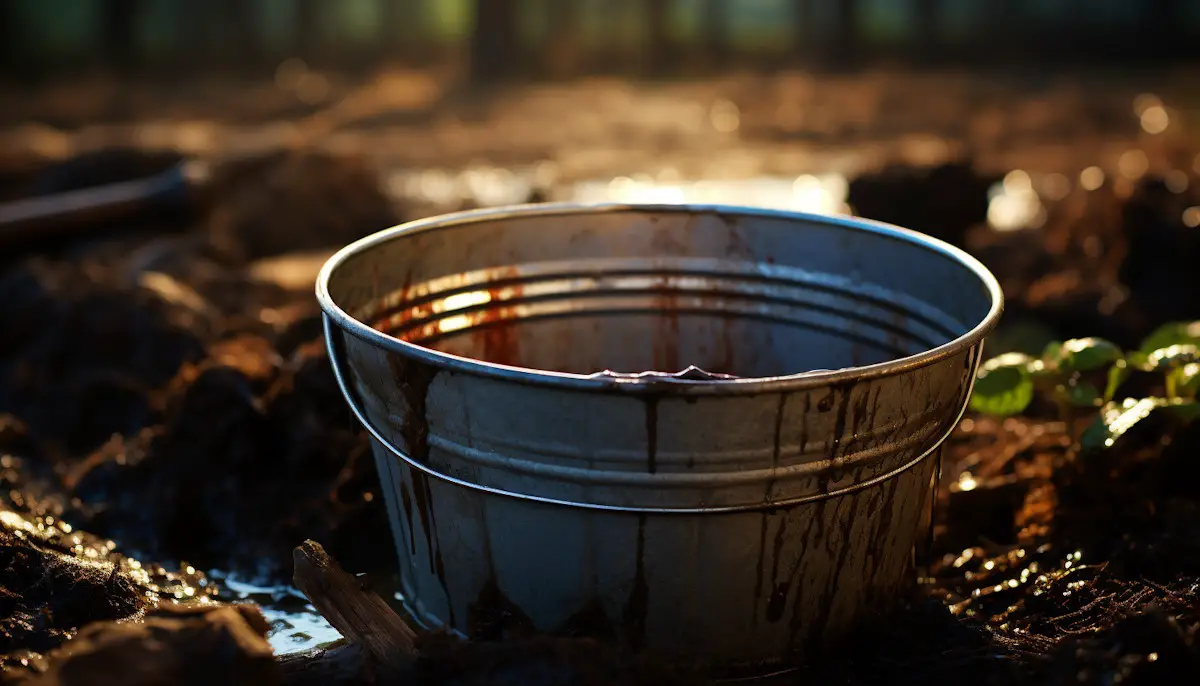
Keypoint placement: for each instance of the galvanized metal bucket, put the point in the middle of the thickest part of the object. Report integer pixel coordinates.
(755, 494)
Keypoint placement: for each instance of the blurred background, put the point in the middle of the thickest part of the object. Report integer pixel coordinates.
(565, 38)
(598, 95)
(964, 119)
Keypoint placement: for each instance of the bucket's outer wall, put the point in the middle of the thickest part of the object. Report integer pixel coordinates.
(737, 587)
(730, 528)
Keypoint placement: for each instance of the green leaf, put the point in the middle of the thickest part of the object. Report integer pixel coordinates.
(1004, 386)
(1137, 359)
(1080, 394)
(1095, 435)
(1116, 419)
(1008, 360)
(1189, 380)
(1087, 354)
(1053, 352)
(1172, 333)
(1117, 374)
(1172, 357)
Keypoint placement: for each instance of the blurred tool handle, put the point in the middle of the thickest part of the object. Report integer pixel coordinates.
(73, 212)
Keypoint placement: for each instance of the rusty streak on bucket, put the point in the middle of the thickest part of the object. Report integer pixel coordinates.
(537, 481)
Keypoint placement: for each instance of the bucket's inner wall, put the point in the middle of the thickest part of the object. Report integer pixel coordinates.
(634, 291)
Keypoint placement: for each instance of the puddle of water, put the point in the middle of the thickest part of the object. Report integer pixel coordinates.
(295, 625)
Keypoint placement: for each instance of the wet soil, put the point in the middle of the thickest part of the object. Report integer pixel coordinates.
(153, 393)
(55, 579)
(175, 401)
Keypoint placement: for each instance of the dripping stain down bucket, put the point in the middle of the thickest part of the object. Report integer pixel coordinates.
(709, 432)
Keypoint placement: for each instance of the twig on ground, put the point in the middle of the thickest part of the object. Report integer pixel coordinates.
(357, 612)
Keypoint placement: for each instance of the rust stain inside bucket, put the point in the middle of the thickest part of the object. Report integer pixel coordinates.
(485, 315)
(625, 323)
(736, 317)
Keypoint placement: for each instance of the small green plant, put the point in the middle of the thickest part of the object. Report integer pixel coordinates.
(1086, 373)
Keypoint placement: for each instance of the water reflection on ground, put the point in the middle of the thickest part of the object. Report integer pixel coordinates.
(823, 194)
(295, 625)
(1019, 201)
(1013, 204)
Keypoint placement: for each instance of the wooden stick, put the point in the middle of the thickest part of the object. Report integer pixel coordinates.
(357, 612)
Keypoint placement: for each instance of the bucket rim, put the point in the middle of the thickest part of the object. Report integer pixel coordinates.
(649, 384)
